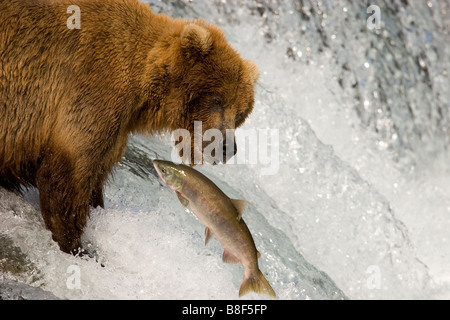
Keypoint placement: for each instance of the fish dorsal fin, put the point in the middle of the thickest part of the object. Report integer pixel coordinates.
(208, 235)
(182, 199)
(240, 206)
(228, 257)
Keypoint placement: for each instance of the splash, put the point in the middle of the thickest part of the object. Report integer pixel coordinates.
(359, 203)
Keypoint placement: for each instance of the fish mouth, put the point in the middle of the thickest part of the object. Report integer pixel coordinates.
(157, 165)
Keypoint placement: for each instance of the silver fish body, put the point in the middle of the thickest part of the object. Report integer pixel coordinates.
(222, 217)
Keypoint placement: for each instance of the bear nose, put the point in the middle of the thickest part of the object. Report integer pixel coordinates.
(229, 150)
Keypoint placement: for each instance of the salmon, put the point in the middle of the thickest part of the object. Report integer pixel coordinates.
(222, 217)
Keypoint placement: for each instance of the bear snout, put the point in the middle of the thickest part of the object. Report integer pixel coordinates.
(229, 150)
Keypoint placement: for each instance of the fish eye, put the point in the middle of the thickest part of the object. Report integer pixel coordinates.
(163, 170)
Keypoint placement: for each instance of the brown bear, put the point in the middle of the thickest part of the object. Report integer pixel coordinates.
(70, 97)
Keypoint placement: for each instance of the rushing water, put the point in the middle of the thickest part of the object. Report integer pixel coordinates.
(358, 206)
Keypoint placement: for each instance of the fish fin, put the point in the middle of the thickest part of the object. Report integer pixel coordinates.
(258, 255)
(228, 257)
(208, 235)
(240, 206)
(256, 282)
(182, 199)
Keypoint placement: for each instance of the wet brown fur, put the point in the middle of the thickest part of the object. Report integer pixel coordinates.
(69, 98)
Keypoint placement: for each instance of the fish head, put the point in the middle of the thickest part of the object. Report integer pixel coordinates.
(171, 174)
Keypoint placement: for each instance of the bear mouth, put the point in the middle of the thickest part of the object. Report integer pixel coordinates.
(211, 150)
(218, 152)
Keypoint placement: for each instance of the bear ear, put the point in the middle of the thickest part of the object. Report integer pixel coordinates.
(196, 41)
(252, 69)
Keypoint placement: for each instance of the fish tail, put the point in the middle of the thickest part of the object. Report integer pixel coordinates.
(256, 282)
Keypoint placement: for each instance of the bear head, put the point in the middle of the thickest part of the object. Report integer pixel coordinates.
(209, 88)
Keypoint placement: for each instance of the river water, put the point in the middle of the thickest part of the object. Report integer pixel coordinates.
(350, 198)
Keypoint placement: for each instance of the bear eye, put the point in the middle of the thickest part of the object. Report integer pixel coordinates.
(217, 102)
